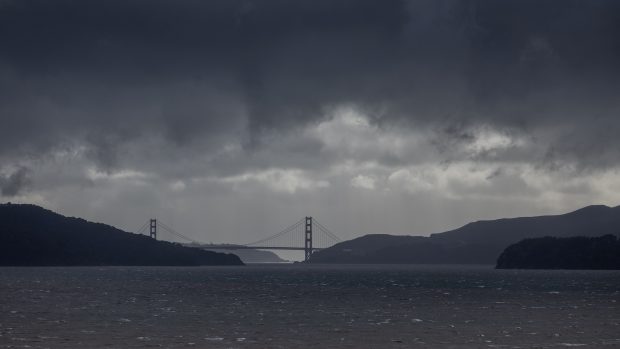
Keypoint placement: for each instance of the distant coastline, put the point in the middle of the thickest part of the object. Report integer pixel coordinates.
(31, 235)
(246, 255)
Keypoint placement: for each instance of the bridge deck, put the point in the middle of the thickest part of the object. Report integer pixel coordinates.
(256, 248)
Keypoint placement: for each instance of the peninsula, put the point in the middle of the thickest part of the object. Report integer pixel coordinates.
(33, 236)
(562, 253)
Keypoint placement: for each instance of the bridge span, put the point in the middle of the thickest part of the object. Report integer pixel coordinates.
(306, 235)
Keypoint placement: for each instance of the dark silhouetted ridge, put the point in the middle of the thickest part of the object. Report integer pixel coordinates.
(562, 253)
(31, 235)
(474, 243)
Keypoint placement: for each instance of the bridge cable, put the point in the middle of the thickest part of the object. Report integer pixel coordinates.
(270, 238)
(176, 233)
(283, 232)
(142, 228)
(327, 231)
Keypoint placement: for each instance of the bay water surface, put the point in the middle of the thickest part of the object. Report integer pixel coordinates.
(308, 306)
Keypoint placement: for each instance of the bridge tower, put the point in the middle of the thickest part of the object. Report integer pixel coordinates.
(153, 228)
(308, 238)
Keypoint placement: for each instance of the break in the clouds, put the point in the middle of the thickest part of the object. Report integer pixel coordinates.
(380, 116)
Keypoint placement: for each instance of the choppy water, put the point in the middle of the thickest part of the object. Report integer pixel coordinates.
(308, 307)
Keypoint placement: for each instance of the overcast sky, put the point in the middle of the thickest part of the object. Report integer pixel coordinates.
(229, 120)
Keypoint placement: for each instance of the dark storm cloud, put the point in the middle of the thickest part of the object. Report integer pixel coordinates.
(13, 183)
(108, 75)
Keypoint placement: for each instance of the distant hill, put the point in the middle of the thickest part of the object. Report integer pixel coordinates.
(562, 253)
(246, 255)
(31, 235)
(475, 243)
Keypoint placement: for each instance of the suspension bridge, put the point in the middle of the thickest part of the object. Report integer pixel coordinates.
(306, 235)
